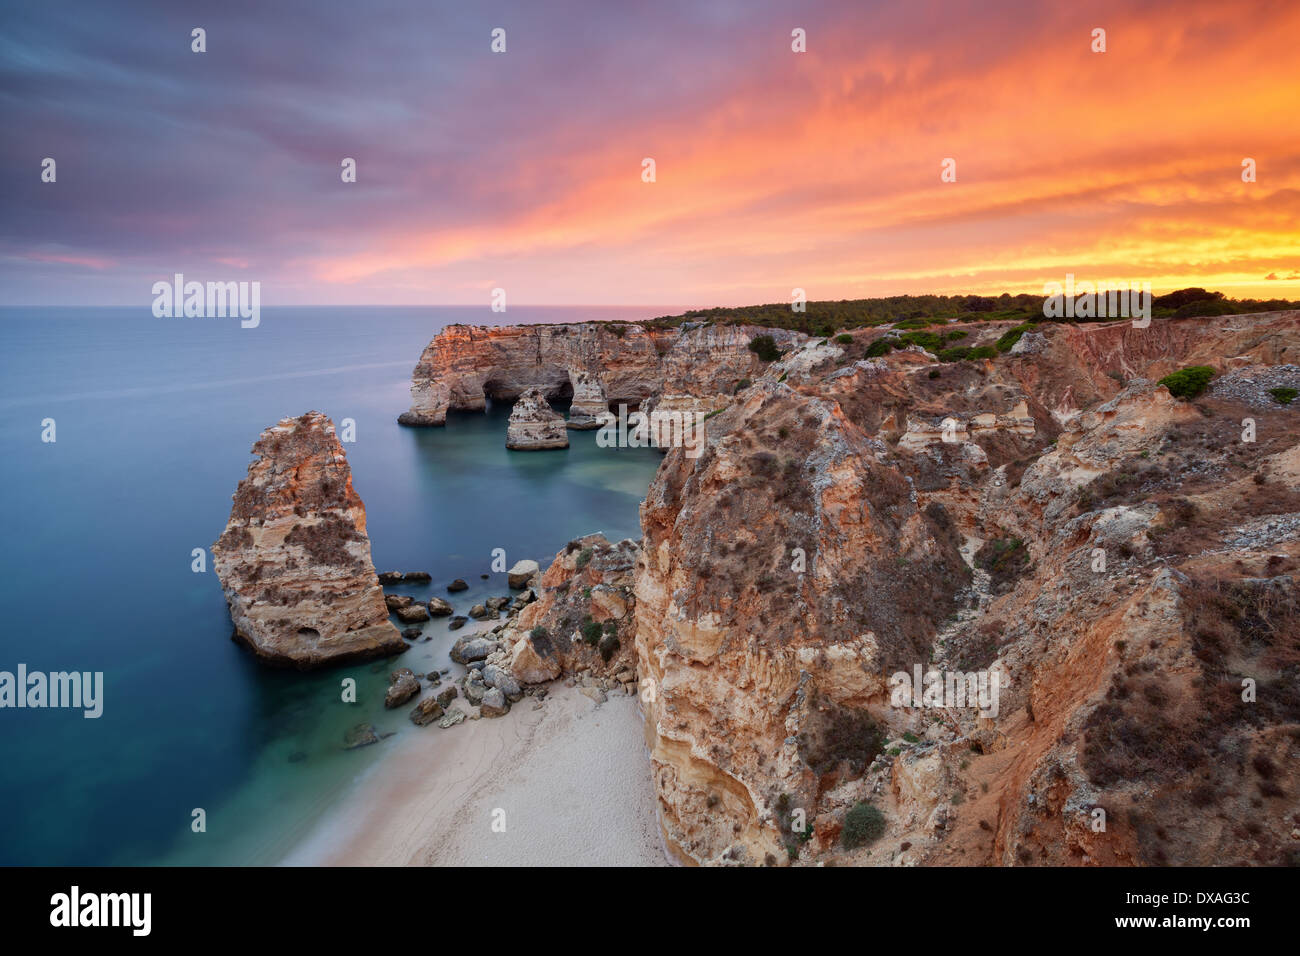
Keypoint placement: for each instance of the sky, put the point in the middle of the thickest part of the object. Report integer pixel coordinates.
(523, 170)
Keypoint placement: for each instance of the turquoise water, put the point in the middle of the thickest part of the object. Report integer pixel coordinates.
(155, 419)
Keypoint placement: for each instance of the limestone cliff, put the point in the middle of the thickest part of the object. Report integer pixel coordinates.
(782, 572)
(1123, 562)
(598, 364)
(294, 560)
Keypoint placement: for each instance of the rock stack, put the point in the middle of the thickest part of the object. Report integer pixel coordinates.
(534, 426)
(294, 560)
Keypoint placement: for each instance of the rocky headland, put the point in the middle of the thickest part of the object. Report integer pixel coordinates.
(1123, 560)
(596, 364)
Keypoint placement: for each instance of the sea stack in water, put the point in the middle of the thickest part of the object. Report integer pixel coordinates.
(590, 408)
(294, 560)
(534, 426)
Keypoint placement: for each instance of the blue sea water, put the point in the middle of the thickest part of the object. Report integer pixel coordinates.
(154, 423)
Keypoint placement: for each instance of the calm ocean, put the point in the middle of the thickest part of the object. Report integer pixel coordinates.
(155, 419)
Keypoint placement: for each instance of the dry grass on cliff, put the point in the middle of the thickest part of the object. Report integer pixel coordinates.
(1193, 742)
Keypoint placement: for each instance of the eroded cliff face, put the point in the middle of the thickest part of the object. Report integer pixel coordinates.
(1123, 561)
(783, 573)
(599, 364)
(294, 560)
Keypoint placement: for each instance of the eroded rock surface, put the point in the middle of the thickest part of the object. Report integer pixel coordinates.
(599, 364)
(534, 426)
(581, 621)
(294, 560)
(1123, 561)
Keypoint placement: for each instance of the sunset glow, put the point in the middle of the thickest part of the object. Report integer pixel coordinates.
(775, 169)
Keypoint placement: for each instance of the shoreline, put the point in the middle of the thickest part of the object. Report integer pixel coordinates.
(566, 784)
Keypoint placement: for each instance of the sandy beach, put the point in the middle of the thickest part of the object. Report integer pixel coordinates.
(565, 784)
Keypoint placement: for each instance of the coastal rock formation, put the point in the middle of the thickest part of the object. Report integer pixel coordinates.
(1120, 566)
(598, 364)
(782, 573)
(582, 618)
(534, 426)
(294, 560)
(590, 407)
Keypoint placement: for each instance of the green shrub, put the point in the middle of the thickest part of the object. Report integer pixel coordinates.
(1188, 382)
(844, 339)
(930, 341)
(911, 738)
(764, 346)
(1283, 396)
(1012, 336)
(608, 647)
(539, 634)
(584, 558)
(1205, 307)
(743, 384)
(878, 348)
(590, 630)
(862, 825)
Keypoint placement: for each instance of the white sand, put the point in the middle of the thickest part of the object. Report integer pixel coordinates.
(572, 778)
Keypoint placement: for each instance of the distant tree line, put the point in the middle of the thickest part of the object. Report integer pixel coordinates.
(825, 318)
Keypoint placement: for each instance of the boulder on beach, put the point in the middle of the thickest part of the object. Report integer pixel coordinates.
(475, 689)
(426, 712)
(494, 704)
(438, 607)
(472, 647)
(457, 622)
(503, 681)
(452, 718)
(458, 585)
